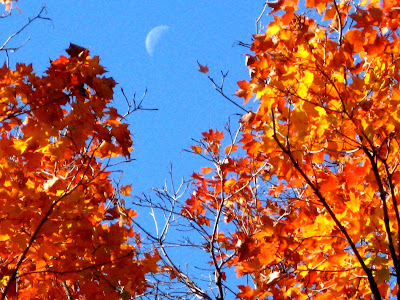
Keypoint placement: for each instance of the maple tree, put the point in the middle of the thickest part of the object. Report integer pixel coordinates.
(303, 202)
(64, 231)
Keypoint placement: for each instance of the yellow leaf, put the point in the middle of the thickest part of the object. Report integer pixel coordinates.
(353, 204)
(272, 30)
(4, 237)
(321, 111)
(308, 77)
(20, 145)
(302, 52)
(4, 281)
(302, 91)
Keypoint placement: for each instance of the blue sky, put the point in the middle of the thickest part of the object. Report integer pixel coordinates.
(116, 31)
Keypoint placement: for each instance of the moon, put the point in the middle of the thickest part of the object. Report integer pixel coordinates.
(153, 38)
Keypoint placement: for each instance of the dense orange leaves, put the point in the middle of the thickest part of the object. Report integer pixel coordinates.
(314, 199)
(59, 232)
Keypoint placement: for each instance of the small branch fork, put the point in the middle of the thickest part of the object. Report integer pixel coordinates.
(159, 238)
(171, 207)
(135, 105)
(220, 89)
(258, 20)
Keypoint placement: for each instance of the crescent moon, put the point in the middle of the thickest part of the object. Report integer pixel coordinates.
(153, 37)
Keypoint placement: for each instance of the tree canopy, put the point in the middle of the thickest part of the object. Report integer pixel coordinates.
(314, 197)
(62, 230)
(301, 201)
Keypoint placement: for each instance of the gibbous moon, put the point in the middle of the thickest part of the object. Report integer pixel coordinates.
(153, 37)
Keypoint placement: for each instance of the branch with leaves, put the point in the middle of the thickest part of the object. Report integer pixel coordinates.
(60, 139)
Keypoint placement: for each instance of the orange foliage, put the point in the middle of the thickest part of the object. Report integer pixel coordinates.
(57, 238)
(8, 5)
(315, 197)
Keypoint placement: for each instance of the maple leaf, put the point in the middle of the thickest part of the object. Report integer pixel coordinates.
(196, 149)
(248, 118)
(281, 4)
(126, 190)
(320, 5)
(203, 69)
(246, 292)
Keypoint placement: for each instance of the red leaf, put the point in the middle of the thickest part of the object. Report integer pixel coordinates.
(203, 69)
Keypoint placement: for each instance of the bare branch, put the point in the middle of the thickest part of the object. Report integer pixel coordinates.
(133, 105)
(7, 48)
(220, 89)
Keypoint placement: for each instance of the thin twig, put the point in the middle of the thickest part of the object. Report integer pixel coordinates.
(220, 89)
(258, 29)
(7, 49)
(133, 106)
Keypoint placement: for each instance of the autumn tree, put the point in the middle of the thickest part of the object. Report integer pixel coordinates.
(64, 231)
(304, 200)
(300, 202)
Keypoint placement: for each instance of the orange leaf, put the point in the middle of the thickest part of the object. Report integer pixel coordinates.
(126, 190)
(281, 4)
(246, 292)
(206, 170)
(196, 149)
(231, 148)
